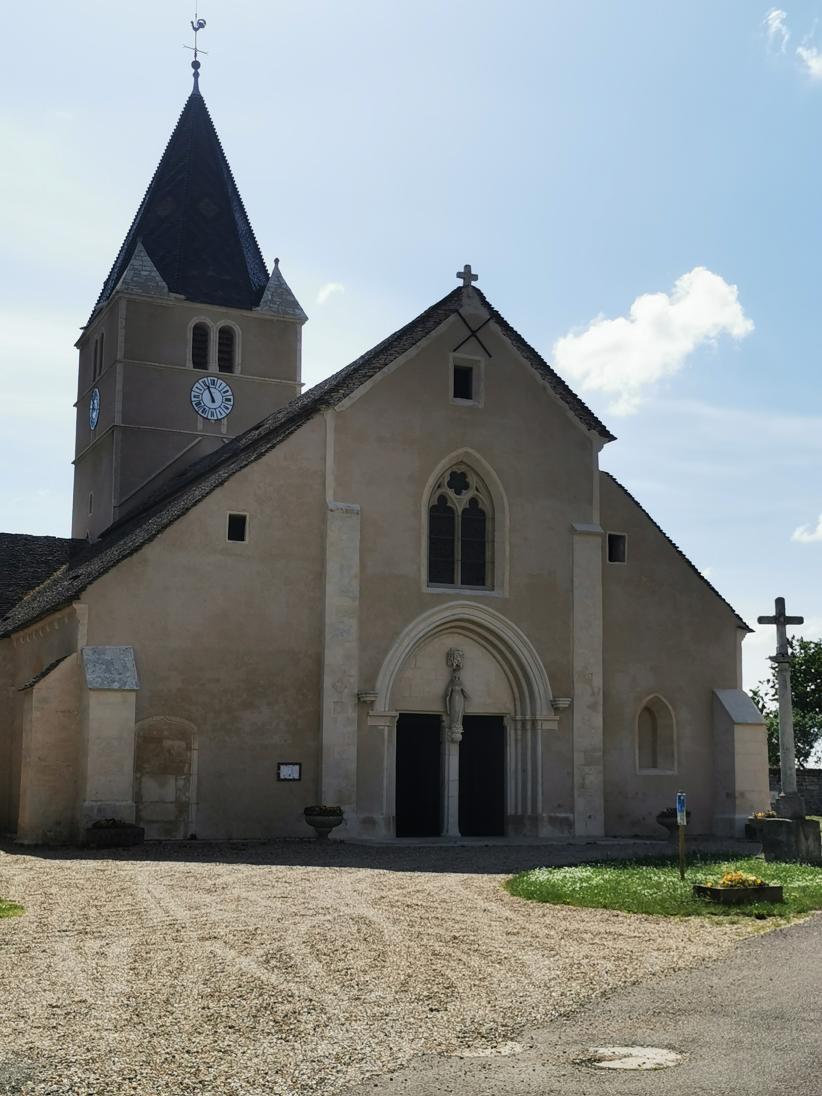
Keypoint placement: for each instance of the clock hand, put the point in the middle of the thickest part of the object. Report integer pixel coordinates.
(211, 395)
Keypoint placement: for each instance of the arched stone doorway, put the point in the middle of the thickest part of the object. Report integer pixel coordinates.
(508, 707)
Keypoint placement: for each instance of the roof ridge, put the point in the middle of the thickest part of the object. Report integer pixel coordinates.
(675, 546)
(176, 497)
(319, 394)
(568, 396)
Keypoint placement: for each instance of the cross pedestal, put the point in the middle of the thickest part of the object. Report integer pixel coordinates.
(789, 803)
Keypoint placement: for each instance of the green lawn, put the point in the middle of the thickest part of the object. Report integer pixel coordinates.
(653, 886)
(9, 909)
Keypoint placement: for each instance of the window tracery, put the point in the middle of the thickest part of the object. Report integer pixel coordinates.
(460, 530)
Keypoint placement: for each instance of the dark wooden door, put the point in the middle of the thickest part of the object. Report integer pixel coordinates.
(418, 775)
(482, 776)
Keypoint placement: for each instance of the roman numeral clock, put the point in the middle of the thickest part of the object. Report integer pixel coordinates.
(212, 398)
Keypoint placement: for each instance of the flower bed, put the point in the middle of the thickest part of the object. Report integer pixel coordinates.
(653, 886)
(737, 888)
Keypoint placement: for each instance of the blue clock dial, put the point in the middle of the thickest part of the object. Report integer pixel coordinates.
(212, 398)
(94, 408)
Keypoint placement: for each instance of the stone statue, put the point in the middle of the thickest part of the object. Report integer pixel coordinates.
(455, 695)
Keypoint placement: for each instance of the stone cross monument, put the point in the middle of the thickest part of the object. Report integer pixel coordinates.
(790, 803)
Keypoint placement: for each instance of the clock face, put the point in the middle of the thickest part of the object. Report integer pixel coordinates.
(211, 398)
(94, 408)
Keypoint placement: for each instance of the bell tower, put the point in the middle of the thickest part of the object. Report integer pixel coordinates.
(192, 340)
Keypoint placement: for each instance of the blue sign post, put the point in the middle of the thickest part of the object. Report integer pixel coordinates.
(681, 822)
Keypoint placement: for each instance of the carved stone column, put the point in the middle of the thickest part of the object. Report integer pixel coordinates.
(455, 699)
(450, 780)
(524, 749)
(377, 806)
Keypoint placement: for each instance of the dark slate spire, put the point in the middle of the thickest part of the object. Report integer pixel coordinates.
(192, 222)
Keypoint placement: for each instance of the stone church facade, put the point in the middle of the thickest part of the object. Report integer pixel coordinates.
(409, 591)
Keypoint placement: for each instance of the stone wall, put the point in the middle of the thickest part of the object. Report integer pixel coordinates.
(809, 785)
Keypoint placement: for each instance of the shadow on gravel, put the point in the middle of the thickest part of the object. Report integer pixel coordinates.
(474, 859)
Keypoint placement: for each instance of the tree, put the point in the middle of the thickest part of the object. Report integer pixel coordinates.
(806, 688)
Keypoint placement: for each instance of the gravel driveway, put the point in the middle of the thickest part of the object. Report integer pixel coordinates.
(291, 969)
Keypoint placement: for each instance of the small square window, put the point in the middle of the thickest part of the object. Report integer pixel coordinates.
(466, 378)
(463, 382)
(617, 548)
(237, 527)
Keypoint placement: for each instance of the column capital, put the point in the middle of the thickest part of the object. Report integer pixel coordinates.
(384, 721)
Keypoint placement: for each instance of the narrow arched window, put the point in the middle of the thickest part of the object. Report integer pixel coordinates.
(225, 349)
(648, 739)
(655, 737)
(101, 363)
(442, 549)
(200, 339)
(460, 531)
(472, 544)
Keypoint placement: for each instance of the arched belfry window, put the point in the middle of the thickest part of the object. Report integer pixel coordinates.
(200, 345)
(460, 531)
(655, 737)
(226, 349)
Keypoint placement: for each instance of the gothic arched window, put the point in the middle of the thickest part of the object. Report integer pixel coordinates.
(226, 344)
(460, 531)
(655, 737)
(200, 342)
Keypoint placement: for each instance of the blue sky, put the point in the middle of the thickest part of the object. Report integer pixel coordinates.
(583, 157)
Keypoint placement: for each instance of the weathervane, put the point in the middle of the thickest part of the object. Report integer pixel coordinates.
(197, 24)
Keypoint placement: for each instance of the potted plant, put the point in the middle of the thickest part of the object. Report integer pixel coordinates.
(667, 819)
(738, 888)
(323, 819)
(112, 833)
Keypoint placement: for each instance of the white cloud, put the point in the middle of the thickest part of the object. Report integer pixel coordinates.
(624, 357)
(329, 290)
(812, 60)
(776, 27)
(805, 535)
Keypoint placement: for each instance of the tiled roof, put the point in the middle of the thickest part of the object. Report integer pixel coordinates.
(192, 222)
(740, 622)
(27, 561)
(199, 479)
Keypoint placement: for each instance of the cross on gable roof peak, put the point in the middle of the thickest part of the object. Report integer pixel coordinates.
(467, 276)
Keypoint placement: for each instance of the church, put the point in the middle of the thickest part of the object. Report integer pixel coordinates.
(408, 591)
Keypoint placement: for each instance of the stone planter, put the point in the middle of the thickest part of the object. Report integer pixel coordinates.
(323, 824)
(739, 896)
(114, 837)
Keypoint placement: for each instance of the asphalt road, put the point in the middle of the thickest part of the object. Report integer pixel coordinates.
(747, 1025)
